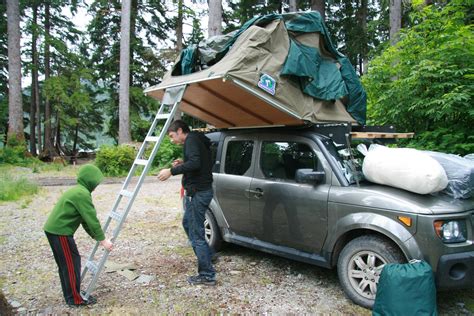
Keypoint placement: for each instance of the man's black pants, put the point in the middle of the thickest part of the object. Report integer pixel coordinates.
(68, 260)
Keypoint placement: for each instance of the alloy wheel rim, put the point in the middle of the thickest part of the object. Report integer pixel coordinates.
(207, 230)
(364, 272)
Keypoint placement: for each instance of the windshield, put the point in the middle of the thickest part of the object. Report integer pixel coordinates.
(349, 161)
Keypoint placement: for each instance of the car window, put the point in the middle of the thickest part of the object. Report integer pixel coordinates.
(213, 149)
(238, 156)
(281, 159)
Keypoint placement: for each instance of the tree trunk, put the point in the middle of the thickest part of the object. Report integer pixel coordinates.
(364, 46)
(48, 150)
(179, 27)
(15, 101)
(34, 80)
(293, 5)
(73, 159)
(395, 20)
(179, 42)
(215, 18)
(57, 142)
(319, 5)
(124, 93)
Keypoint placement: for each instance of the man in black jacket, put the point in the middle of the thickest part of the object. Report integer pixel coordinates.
(197, 182)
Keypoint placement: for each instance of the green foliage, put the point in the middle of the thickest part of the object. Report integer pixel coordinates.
(425, 83)
(12, 189)
(444, 140)
(167, 153)
(150, 25)
(244, 10)
(115, 160)
(15, 153)
(72, 96)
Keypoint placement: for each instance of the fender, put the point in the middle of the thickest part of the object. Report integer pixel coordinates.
(377, 223)
(218, 214)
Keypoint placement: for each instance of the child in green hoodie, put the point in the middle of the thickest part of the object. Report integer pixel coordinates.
(74, 208)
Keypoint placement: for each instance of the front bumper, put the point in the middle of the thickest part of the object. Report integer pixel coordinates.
(456, 271)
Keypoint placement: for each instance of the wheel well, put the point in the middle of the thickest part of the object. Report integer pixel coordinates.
(350, 235)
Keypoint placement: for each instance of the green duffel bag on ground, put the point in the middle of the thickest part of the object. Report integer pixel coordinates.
(406, 289)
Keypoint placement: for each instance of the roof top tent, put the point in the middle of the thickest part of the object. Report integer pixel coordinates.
(275, 70)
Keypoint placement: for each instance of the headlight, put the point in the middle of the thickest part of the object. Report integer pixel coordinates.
(451, 231)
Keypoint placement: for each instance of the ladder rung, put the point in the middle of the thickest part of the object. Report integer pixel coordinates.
(126, 193)
(152, 139)
(163, 116)
(142, 162)
(115, 215)
(92, 266)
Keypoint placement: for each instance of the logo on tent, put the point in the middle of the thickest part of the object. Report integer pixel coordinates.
(267, 83)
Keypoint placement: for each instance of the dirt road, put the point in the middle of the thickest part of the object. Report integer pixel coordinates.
(153, 241)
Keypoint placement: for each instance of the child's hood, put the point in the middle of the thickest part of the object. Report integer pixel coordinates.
(89, 176)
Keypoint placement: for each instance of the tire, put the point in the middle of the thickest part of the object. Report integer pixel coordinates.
(212, 232)
(360, 264)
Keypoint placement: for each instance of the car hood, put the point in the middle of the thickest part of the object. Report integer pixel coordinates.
(385, 197)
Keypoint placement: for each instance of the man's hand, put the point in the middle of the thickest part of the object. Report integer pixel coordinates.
(107, 244)
(176, 162)
(164, 174)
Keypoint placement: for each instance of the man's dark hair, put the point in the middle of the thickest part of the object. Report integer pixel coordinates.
(175, 125)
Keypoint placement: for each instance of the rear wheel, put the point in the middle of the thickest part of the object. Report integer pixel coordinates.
(212, 232)
(360, 264)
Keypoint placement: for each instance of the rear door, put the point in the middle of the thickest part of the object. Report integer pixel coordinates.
(285, 212)
(233, 182)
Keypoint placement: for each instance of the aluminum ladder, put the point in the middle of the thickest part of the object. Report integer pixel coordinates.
(126, 196)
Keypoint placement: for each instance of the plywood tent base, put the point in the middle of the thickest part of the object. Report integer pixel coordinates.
(222, 103)
(226, 102)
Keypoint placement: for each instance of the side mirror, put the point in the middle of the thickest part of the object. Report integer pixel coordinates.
(310, 176)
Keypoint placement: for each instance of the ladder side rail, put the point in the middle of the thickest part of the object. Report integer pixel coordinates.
(153, 153)
(95, 276)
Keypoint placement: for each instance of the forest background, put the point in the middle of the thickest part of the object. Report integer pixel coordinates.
(61, 91)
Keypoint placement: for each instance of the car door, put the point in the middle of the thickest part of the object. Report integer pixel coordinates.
(283, 211)
(232, 185)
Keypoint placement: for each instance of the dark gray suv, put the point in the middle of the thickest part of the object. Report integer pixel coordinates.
(292, 192)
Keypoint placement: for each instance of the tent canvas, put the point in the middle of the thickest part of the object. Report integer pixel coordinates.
(276, 70)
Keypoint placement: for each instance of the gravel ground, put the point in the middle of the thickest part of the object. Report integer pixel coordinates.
(153, 241)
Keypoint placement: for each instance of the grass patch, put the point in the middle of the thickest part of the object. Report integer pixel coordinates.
(12, 189)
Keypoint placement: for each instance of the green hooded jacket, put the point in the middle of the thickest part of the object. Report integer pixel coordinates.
(75, 207)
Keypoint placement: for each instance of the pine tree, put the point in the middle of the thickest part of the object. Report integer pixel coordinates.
(15, 100)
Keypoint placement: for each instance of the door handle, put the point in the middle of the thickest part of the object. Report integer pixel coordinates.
(258, 192)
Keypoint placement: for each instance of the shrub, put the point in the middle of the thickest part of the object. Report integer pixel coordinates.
(424, 83)
(166, 154)
(12, 189)
(115, 160)
(15, 153)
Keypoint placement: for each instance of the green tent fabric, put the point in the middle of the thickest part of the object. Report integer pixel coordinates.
(318, 77)
(331, 87)
(275, 70)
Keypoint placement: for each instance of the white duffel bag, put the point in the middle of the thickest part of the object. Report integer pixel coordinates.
(404, 168)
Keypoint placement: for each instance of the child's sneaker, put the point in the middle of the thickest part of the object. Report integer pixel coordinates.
(199, 279)
(90, 301)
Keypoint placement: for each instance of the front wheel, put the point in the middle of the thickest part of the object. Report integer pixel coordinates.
(212, 232)
(360, 264)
